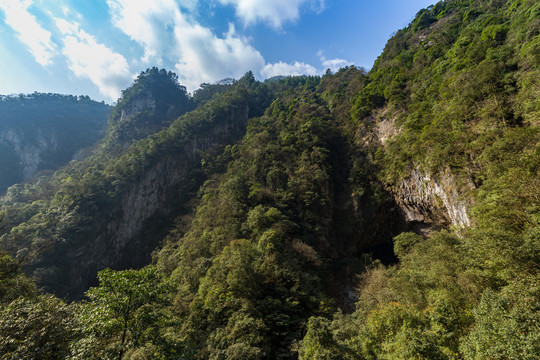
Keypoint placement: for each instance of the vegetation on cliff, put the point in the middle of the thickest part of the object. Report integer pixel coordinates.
(285, 236)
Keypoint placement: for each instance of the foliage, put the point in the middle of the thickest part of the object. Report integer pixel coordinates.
(241, 239)
(507, 323)
(13, 283)
(207, 91)
(38, 328)
(320, 342)
(60, 215)
(287, 188)
(125, 314)
(152, 103)
(451, 82)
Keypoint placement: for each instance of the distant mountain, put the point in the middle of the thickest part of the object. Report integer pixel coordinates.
(40, 132)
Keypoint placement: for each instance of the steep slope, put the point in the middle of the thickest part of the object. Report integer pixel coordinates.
(437, 128)
(461, 76)
(44, 132)
(280, 234)
(112, 209)
(450, 115)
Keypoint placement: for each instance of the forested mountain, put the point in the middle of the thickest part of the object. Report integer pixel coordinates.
(44, 132)
(393, 214)
(112, 208)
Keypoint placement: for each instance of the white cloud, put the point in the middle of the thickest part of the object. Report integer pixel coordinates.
(190, 5)
(301, 68)
(149, 23)
(281, 68)
(30, 33)
(169, 35)
(198, 54)
(68, 13)
(335, 64)
(203, 57)
(87, 58)
(273, 12)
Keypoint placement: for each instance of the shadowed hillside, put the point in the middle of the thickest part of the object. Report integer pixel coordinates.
(40, 132)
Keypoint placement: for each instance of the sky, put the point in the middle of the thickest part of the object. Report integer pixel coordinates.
(97, 47)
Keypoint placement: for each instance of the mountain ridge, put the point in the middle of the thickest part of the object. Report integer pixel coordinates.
(388, 214)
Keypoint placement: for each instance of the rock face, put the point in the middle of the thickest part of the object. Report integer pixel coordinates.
(44, 132)
(432, 199)
(143, 102)
(130, 230)
(112, 209)
(150, 105)
(31, 149)
(423, 199)
(136, 119)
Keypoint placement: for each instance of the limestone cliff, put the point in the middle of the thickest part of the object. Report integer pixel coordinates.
(433, 199)
(425, 200)
(151, 104)
(44, 132)
(113, 208)
(30, 147)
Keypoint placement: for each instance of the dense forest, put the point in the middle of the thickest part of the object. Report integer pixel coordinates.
(389, 214)
(43, 132)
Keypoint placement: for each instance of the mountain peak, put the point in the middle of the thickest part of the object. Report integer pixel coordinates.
(153, 101)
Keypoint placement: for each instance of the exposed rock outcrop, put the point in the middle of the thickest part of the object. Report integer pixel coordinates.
(142, 102)
(129, 232)
(30, 148)
(433, 199)
(43, 132)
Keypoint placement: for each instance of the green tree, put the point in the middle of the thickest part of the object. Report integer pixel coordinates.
(507, 324)
(38, 328)
(125, 313)
(320, 342)
(13, 283)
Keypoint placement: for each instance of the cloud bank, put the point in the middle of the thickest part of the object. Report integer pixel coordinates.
(168, 35)
(295, 69)
(29, 31)
(87, 58)
(334, 64)
(274, 12)
(165, 33)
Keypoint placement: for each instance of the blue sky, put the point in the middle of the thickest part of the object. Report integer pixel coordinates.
(97, 47)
